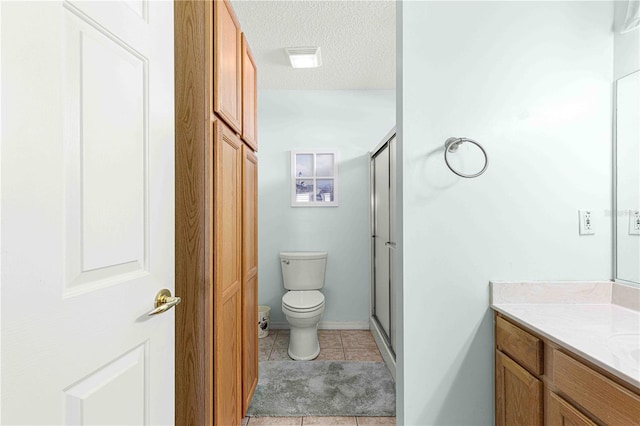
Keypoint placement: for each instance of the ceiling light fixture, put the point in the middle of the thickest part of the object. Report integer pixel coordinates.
(304, 57)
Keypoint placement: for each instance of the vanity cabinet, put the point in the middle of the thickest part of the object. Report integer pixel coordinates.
(538, 382)
(518, 390)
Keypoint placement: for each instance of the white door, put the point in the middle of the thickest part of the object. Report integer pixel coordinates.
(87, 212)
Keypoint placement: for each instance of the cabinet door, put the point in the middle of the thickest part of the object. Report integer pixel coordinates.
(561, 413)
(227, 67)
(249, 97)
(518, 394)
(227, 234)
(249, 275)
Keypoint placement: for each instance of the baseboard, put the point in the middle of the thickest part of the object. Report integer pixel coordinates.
(387, 355)
(326, 325)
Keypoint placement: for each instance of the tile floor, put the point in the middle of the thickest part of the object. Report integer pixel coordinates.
(335, 345)
(319, 421)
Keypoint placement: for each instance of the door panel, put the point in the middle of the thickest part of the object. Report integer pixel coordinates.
(249, 96)
(381, 232)
(106, 218)
(518, 394)
(249, 276)
(227, 230)
(87, 212)
(393, 251)
(227, 65)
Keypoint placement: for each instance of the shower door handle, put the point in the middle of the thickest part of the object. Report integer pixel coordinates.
(390, 244)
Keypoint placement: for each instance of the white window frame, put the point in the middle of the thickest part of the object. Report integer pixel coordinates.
(314, 203)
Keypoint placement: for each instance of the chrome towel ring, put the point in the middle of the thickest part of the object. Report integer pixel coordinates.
(451, 145)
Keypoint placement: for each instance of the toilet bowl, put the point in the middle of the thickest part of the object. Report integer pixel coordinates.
(303, 312)
(303, 305)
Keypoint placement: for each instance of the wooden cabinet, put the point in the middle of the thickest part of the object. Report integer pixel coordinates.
(216, 214)
(227, 65)
(249, 275)
(227, 267)
(249, 97)
(575, 391)
(518, 394)
(560, 413)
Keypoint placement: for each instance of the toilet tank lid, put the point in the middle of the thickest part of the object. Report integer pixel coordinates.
(292, 255)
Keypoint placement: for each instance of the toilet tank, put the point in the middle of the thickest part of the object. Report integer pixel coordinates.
(303, 270)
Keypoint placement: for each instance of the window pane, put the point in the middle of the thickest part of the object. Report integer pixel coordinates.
(304, 165)
(325, 190)
(324, 165)
(304, 190)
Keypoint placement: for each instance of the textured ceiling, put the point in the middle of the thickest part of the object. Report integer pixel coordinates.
(357, 40)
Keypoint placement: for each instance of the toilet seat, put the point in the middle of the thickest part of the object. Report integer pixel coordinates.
(303, 301)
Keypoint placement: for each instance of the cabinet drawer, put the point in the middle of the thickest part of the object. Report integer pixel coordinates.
(561, 413)
(520, 345)
(605, 399)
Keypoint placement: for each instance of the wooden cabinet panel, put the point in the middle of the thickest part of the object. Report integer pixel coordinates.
(227, 232)
(249, 97)
(227, 376)
(520, 345)
(518, 394)
(249, 275)
(561, 413)
(600, 396)
(227, 65)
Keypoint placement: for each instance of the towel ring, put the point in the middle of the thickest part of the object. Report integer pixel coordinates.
(452, 145)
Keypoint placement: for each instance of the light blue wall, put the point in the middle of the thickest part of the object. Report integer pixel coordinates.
(532, 82)
(352, 122)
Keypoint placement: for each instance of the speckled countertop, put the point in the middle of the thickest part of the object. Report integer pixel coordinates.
(599, 321)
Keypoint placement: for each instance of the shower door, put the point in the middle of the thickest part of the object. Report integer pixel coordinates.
(383, 232)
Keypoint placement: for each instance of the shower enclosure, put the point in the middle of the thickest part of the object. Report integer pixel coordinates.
(383, 248)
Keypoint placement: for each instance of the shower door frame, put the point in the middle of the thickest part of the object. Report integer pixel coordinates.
(385, 342)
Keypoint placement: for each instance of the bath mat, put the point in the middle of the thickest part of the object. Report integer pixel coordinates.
(323, 388)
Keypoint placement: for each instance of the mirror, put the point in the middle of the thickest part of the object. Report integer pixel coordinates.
(627, 180)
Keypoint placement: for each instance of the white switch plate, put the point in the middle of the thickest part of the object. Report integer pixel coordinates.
(634, 222)
(586, 222)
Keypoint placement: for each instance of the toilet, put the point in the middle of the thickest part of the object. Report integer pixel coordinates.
(303, 304)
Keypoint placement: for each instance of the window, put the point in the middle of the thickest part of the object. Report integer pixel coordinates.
(314, 178)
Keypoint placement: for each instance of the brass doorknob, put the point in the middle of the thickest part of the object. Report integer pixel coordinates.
(164, 302)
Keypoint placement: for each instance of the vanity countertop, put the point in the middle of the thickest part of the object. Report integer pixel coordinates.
(599, 321)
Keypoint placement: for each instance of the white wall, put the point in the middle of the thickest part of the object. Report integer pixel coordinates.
(352, 122)
(532, 81)
(627, 45)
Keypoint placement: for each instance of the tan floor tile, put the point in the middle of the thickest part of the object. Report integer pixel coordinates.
(367, 421)
(329, 421)
(330, 339)
(245, 420)
(282, 341)
(330, 354)
(357, 339)
(263, 354)
(284, 331)
(267, 342)
(275, 421)
(363, 355)
(279, 354)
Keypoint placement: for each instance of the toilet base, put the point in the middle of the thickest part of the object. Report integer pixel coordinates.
(303, 343)
(303, 358)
